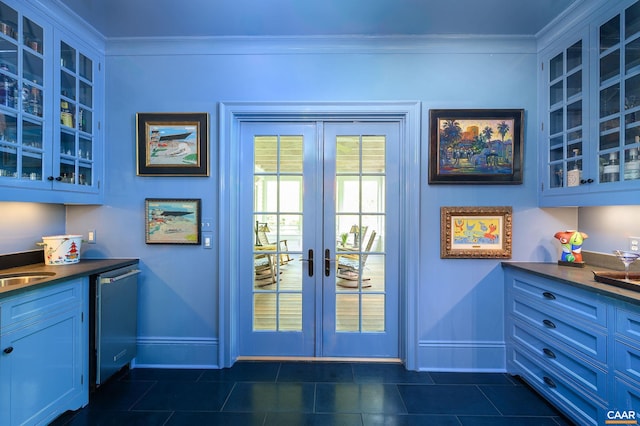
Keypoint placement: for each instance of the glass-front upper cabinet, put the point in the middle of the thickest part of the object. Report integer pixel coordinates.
(619, 97)
(590, 109)
(22, 81)
(565, 116)
(76, 150)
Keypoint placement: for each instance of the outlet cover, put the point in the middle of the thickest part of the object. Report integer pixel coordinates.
(634, 243)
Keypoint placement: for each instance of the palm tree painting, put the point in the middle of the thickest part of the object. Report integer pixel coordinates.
(482, 146)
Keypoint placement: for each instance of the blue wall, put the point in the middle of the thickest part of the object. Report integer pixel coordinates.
(459, 325)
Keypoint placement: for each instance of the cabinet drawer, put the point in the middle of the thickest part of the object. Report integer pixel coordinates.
(591, 378)
(35, 303)
(628, 324)
(590, 342)
(570, 300)
(626, 396)
(627, 360)
(566, 397)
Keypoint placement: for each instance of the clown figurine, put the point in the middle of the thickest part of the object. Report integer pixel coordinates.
(571, 242)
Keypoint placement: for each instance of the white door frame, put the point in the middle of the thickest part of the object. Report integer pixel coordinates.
(231, 115)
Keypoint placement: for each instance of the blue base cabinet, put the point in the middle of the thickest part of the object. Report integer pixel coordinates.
(578, 347)
(43, 353)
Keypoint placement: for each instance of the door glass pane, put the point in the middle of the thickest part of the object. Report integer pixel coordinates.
(265, 153)
(373, 312)
(277, 196)
(373, 154)
(264, 311)
(360, 232)
(291, 154)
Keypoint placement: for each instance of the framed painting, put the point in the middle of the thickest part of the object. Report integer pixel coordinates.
(172, 221)
(172, 144)
(475, 232)
(481, 146)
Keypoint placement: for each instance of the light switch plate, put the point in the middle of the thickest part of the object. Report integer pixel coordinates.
(91, 236)
(207, 240)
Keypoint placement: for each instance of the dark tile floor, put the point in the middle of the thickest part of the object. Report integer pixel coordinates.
(306, 393)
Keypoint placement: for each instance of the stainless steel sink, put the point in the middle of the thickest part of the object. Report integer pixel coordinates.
(23, 278)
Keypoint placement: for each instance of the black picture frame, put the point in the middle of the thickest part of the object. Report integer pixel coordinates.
(463, 150)
(173, 221)
(172, 144)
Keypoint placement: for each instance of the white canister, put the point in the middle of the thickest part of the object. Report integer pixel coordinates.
(61, 249)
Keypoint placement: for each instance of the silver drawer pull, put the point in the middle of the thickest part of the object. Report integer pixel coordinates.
(549, 295)
(548, 323)
(548, 352)
(549, 382)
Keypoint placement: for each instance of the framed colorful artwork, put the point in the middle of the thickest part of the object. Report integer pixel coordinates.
(475, 232)
(172, 221)
(481, 146)
(172, 144)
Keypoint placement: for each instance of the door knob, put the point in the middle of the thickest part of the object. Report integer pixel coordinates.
(8, 350)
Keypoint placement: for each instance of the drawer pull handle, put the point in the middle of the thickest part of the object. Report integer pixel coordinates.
(548, 352)
(549, 382)
(549, 295)
(548, 323)
(8, 350)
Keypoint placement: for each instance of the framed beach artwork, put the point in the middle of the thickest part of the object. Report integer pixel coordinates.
(172, 221)
(475, 232)
(481, 146)
(172, 144)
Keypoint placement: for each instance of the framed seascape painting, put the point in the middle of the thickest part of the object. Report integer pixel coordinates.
(172, 144)
(481, 146)
(475, 232)
(172, 221)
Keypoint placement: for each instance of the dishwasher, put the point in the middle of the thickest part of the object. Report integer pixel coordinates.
(114, 322)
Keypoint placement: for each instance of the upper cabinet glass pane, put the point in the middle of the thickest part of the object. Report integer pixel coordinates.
(8, 21)
(632, 57)
(632, 20)
(556, 68)
(610, 66)
(33, 35)
(67, 57)
(610, 33)
(574, 56)
(86, 68)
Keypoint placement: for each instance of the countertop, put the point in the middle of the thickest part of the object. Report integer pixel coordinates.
(83, 268)
(579, 277)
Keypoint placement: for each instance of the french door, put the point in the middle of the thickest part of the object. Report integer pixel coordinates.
(319, 239)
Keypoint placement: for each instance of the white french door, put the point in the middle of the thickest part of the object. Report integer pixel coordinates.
(319, 239)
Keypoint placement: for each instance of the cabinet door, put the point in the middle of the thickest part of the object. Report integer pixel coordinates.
(22, 92)
(41, 369)
(618, 139)
(77, 143)
(565, 124)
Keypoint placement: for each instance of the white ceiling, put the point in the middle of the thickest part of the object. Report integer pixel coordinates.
(201, 18)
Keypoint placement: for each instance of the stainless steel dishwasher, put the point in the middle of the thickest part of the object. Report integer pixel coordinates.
(115, 318)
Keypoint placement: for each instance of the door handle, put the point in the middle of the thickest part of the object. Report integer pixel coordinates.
(309, 261)
(327, 262)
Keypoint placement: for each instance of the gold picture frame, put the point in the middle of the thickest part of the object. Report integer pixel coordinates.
(475, 232)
